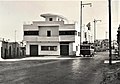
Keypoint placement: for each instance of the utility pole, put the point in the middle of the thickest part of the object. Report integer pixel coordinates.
(110, 52)
(15, 45)
(91, 38)
(95, 21)
(81, 23)
(81, 6)
(106, 34)
(15, 35)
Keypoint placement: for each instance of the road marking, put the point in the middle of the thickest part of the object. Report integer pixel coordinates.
(107, 61)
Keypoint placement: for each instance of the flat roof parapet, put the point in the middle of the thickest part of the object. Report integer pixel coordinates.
(52, 15)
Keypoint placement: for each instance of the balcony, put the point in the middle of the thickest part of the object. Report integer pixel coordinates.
(39, 39)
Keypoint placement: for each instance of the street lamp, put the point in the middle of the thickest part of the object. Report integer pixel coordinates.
(15, 35)
(95, 21)
(110, 52)
(82, 5)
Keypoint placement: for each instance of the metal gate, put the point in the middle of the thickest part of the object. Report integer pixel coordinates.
(34, 50)
(64, 49)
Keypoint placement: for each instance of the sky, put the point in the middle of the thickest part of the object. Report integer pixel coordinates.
(13, 14)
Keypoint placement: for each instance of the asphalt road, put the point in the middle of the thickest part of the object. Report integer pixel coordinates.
(70, 71)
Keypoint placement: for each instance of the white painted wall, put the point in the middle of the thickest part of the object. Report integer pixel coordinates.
(47, 23)
(30, 27)
(77, 43)
(43, 52)
(53, 26)
(74, 48)
(40, 39)
(71, 52)
(28, 47)
(54, 30)
(67, 38)
(67, 27)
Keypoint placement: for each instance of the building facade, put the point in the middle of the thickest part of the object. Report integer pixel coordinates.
(11, 50)
(51, 37)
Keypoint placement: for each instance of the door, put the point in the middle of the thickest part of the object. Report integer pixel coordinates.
(64, 49)
(34, 50)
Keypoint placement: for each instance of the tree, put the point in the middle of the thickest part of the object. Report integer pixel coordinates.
(118, 35)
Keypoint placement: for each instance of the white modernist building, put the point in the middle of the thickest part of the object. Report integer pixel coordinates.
(51, 37)
(0, 49)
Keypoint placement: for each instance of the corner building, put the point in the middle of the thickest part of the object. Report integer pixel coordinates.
(51, 37)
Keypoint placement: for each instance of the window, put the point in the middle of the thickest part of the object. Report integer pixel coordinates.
(76, 48)
(31, 33)
(67, 32)
(44, 48)
(48, 48)
(48, 33)
(50, 19)
(53, 48)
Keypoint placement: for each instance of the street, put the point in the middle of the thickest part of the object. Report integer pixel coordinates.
(69, 71)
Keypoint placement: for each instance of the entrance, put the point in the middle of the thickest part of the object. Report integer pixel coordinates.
(64, 49)
(34, 50)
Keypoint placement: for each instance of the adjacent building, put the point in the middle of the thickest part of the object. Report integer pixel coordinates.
(101, 45)
(11, 50)
(51, 37)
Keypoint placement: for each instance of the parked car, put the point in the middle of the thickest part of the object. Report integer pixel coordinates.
(87, 50)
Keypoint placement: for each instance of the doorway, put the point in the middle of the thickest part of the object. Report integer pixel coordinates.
(64, 49)
(33, 50)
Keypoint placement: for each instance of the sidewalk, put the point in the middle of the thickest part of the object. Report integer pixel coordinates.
(115, 59)
(40, 58)
(111, 73)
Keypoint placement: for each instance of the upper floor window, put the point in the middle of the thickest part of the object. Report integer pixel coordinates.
(48, 33)
(67, 32)
(50, 19)
(31, 33)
